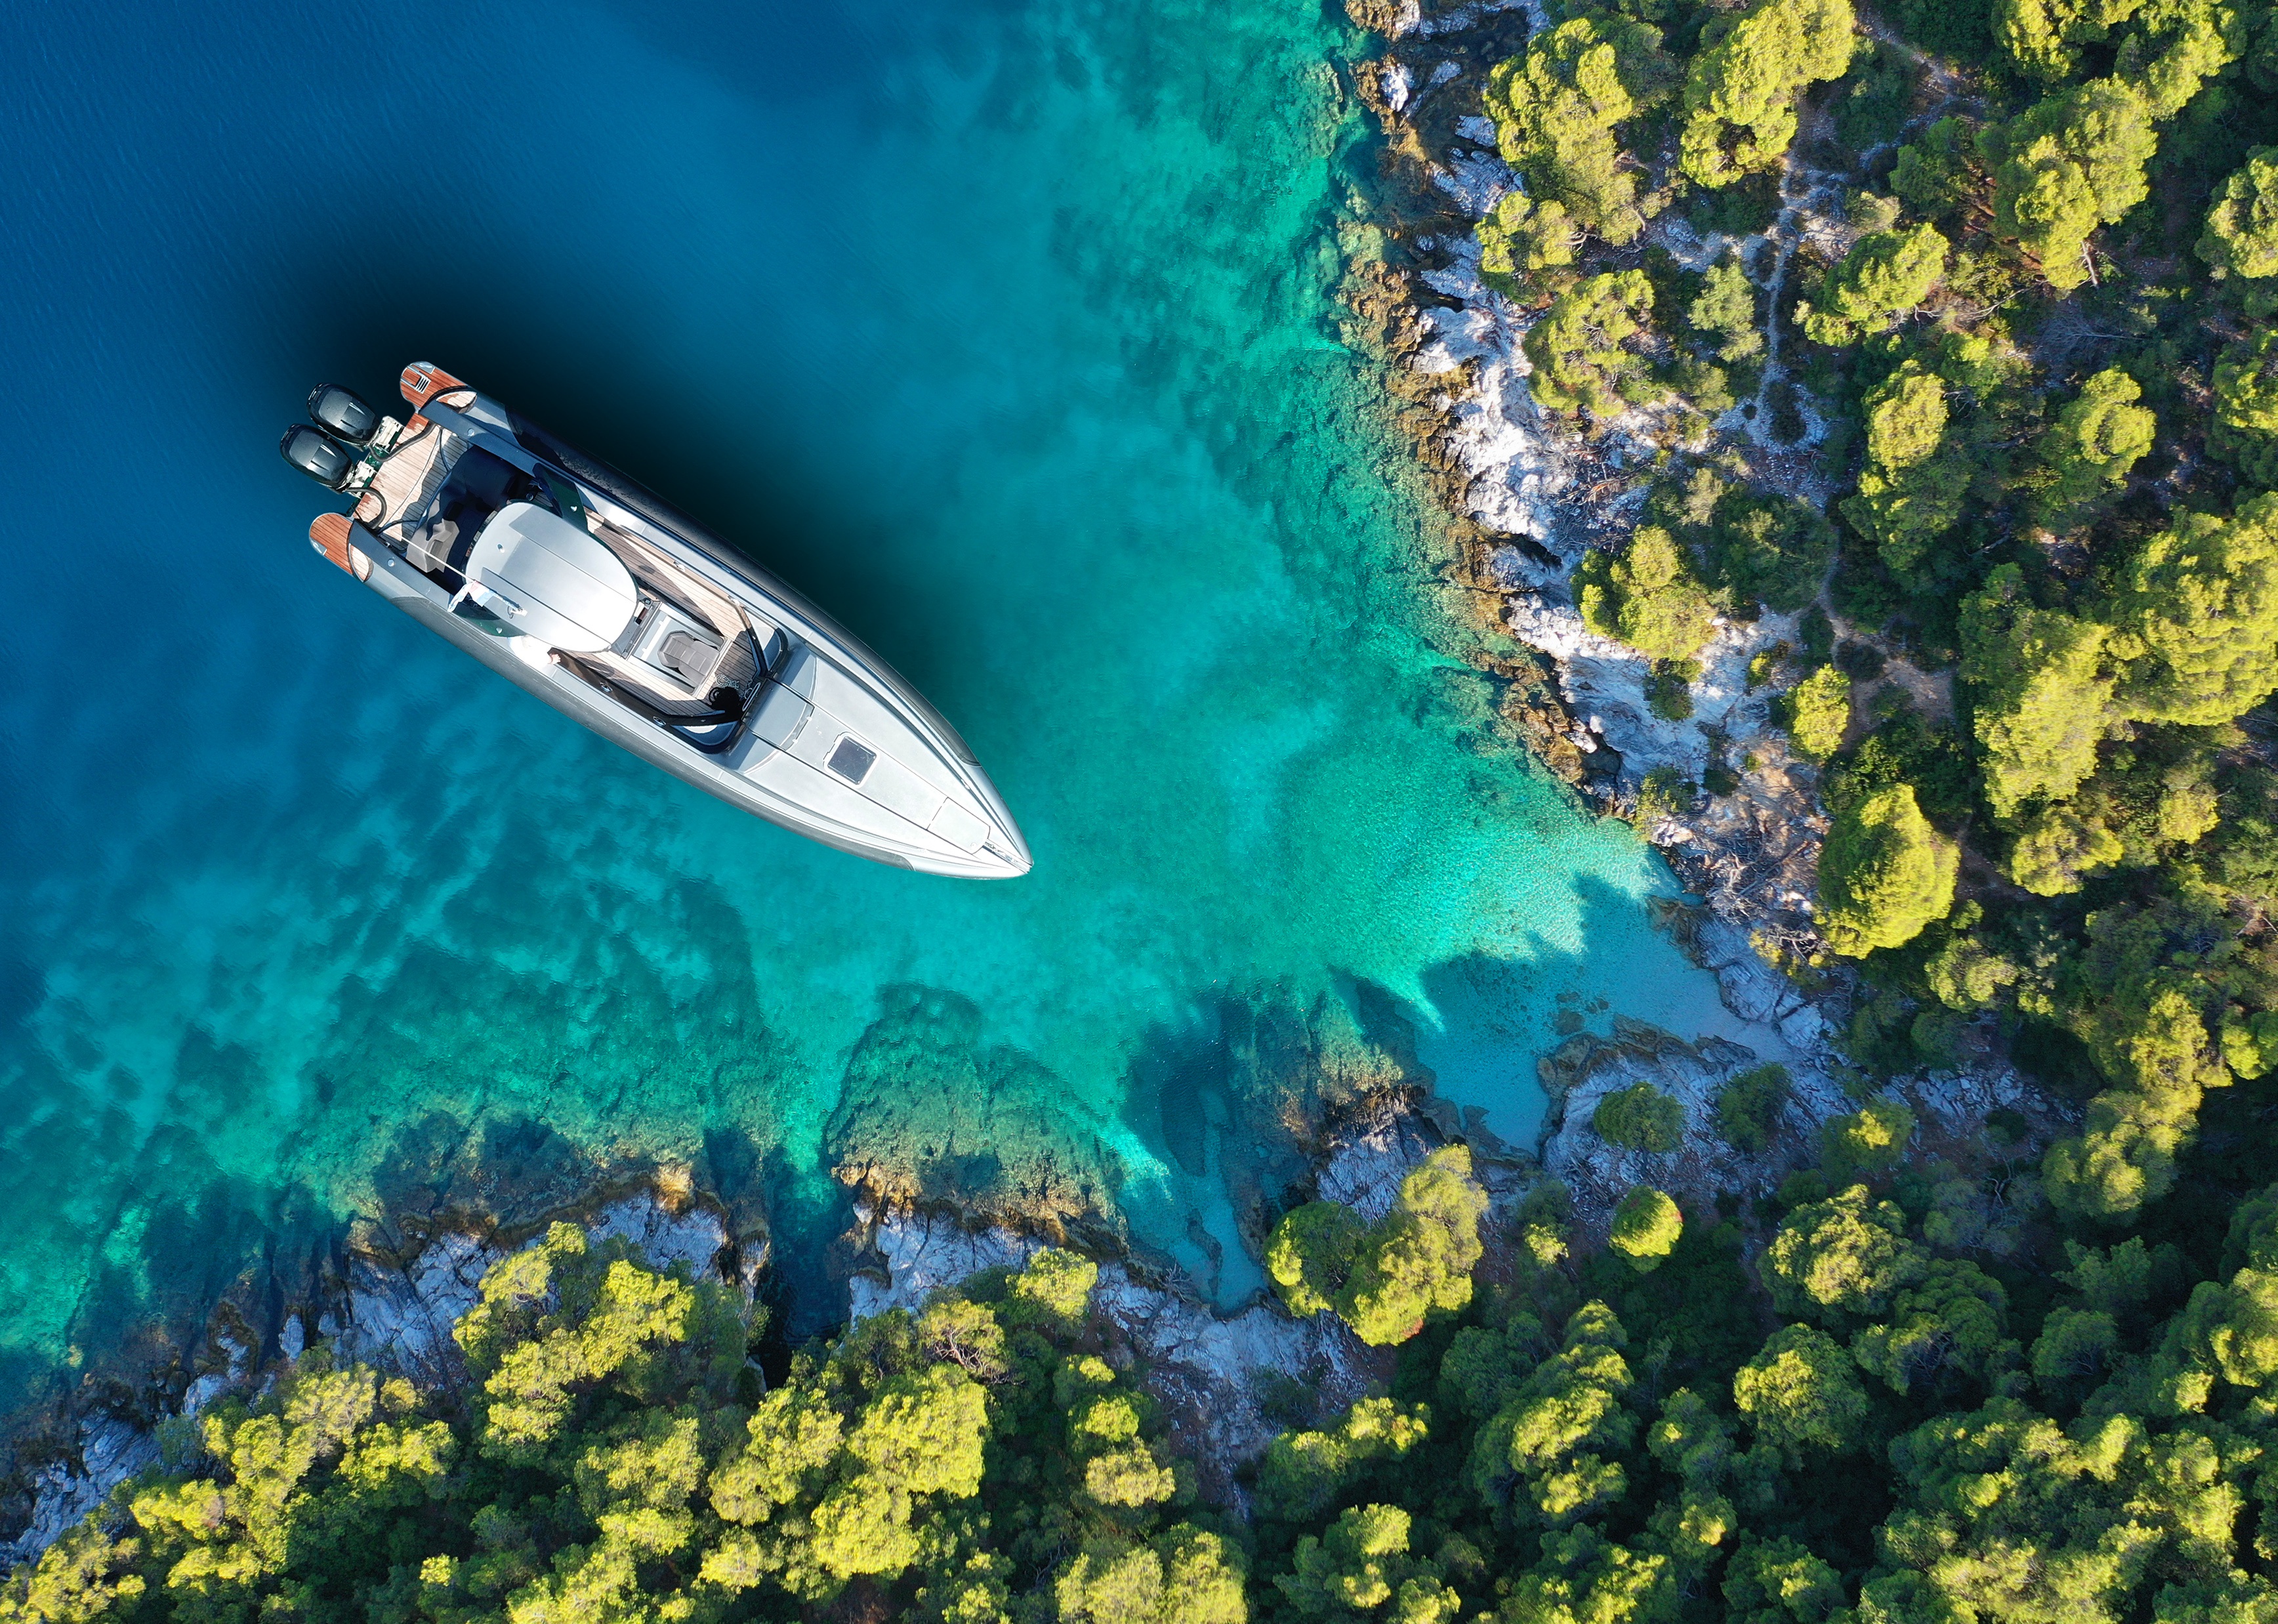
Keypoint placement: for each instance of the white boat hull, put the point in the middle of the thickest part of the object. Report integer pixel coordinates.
(834, 745)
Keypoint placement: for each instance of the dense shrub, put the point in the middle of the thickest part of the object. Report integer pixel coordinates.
(1640, 1117)
(1748, 1106)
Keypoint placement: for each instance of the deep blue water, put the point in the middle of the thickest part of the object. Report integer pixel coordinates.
(1007, 332)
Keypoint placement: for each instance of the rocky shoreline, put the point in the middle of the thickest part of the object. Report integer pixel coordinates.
(397, 1292)
(1528, 497)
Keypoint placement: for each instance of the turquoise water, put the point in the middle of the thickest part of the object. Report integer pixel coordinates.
(1008, 333)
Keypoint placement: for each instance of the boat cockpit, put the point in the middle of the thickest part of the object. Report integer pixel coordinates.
(520, 552)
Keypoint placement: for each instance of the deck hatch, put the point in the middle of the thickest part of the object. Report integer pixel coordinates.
(851, 759)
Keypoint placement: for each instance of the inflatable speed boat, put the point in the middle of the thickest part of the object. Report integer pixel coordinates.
(575, 584)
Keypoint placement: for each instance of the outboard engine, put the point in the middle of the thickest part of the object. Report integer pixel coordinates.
(341, 414)
(319, 456)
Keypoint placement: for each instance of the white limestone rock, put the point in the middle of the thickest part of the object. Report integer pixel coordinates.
(1476, 180)
(1206, 1371)
(111, 1451)
(695, 1235)
(1363, 1171)
(1582, 1072)
(400, 1320)
(924, 1252)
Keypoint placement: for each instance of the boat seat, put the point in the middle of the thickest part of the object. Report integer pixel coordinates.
(430, 546)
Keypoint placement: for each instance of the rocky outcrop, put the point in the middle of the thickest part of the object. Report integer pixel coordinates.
(1213, 1377)
(1580, 1073)
(902, 1258)
(1364, 1167)
(394, 1311)
(1226, 1384)
(1229, 1383)
(109, 1451)
(1529, 494)
(398, 1317)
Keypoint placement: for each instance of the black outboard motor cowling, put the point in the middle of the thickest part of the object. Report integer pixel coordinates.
(319, 456)
(341, 414)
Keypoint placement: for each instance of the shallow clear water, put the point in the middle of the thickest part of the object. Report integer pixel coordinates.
(1007, 332)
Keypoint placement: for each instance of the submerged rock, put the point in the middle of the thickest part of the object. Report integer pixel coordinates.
(930, 1115)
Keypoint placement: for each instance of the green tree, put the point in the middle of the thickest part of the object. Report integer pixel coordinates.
(2044, 37)
(1648, 598)
(1640, 1117)
(1056, 1284)
(1769, 548)
(1869, 1142)
(2003, 1512)
(2087, 452)
(1311, 1252)
(2066, 165)
(2126, 1156)
(1187, 1576)
(1750, 1104)
(2245, 430)
(1303, 1473)
(1883, 874)
(1361, 1567)
(2241, 227)
(2250, 1044)
(1819, 713)
(1385, 1278)
(1585, 1578)
(1420, 1260)
(1557, 108)
(2041, 702)
(1937, 173)
(2196, 617)
(1779, 1581)
(1519, 236)
(2178, 46)
(2056, 848)
(1845, 1256)
(1885, 275)
(1724, 310)
(1966, 975)
(1647, 1225)
(1912, 489)
(1579, 349)
(1801, 1392)
(1699, 1447)
(1552, 1440)
(2076, 1348)
(1740, 91)
(1948, 1330)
